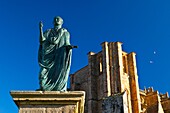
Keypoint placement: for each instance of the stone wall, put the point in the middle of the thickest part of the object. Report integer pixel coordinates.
(113, 71)
(79, 82)
(166, 105)
(115, 104)
(153, 102)
(165, 101)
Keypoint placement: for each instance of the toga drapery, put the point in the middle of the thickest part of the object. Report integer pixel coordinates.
(54, 58)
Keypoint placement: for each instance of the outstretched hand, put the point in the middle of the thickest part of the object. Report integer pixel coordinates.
(75, 46)
(71, 46)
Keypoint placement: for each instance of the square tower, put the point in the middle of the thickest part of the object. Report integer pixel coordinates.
(109, 72)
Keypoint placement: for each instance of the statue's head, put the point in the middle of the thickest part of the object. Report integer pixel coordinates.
(58, 21)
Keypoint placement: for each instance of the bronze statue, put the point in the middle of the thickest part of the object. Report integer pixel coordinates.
(54, 57)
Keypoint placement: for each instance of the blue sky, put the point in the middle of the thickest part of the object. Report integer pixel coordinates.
(143, 26)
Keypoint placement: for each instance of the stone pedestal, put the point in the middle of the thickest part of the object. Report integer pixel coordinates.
(49, 101)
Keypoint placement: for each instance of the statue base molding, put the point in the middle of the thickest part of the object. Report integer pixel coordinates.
(49, 101)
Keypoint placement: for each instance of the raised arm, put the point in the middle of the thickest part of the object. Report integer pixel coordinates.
(42, 38)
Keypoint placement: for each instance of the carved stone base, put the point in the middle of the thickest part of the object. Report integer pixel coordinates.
(49, 101)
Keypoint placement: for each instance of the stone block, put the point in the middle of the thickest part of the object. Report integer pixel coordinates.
(49, 101)
(115, 104)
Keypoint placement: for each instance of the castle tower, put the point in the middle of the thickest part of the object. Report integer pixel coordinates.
(110, 81)
(109, 72)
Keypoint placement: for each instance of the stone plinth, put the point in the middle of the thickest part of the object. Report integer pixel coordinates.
(49, 101)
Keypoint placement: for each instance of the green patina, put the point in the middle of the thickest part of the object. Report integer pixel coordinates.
(54, 57)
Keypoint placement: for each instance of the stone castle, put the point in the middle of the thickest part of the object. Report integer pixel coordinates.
(110, 81)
